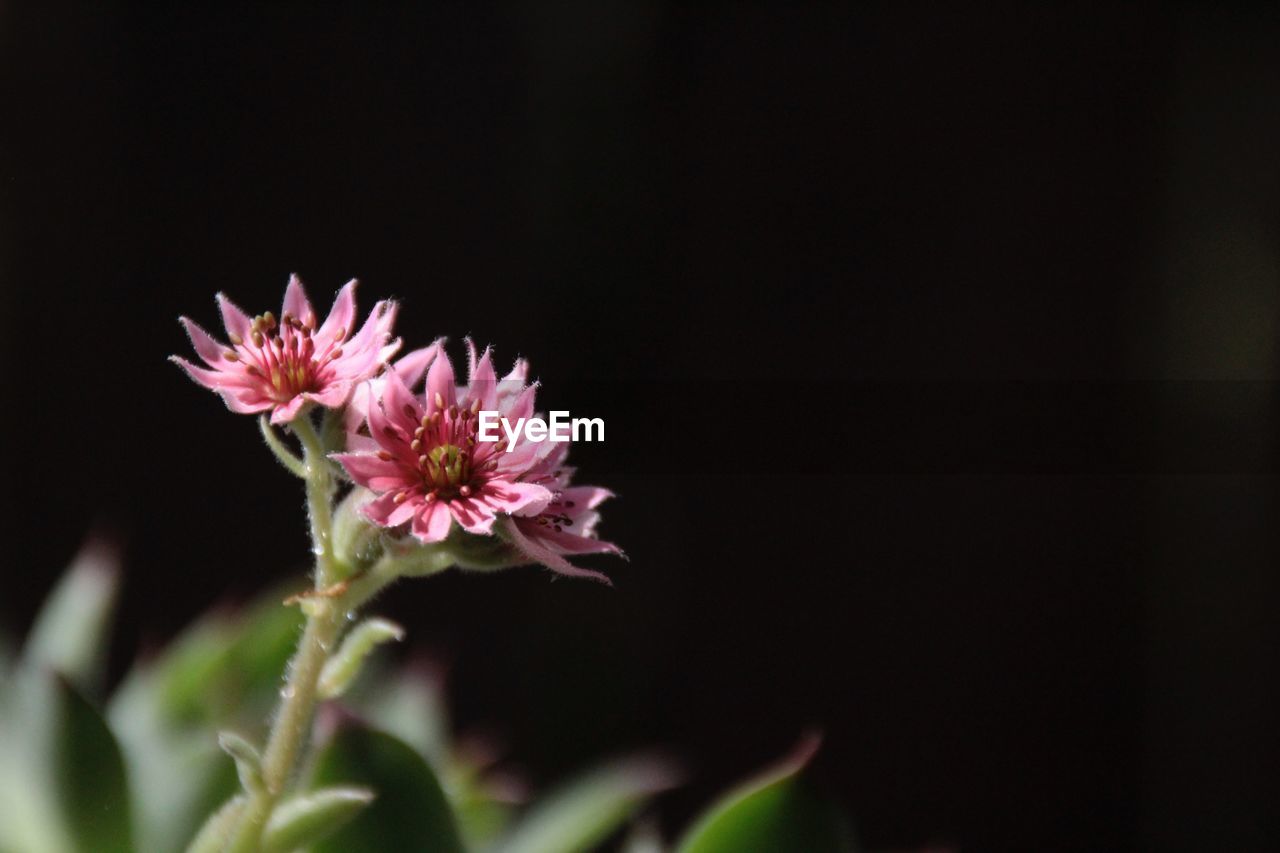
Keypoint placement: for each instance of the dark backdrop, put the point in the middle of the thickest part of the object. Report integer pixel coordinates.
(933, 342)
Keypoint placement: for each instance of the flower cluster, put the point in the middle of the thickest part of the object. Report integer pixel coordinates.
(416, 453)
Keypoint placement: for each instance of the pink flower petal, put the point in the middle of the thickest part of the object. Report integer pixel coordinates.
(440, 384)
(523, 405)
(584, 498)
(473, 516)
(519, 372)
(389, 436)
(471, 356)
(371, 471)
(484, 381)
(245, 405)
(385, 512)
(516, 498)
(571, 543)
(215, 380)
(341, 321)
(235, 321)
(206, 347)
(432, 523)
(412, 366)
(295, 300)
(514, 528)
(357, 443)
(288, 411)
(332, 395)
(375, 329)
(398, 403)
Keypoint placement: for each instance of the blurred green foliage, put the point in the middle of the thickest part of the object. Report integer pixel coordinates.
(143, 770)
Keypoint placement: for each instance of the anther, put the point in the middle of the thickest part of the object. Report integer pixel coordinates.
(336, 353)
(439, 401)
(385, 456)
(416, 444)
(230, 356)
(464, 490)
(235, 339)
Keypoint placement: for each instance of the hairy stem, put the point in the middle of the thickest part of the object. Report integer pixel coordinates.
(326, 619)
(283, 454)
(292, 721)
(320, 486)
(291, 725)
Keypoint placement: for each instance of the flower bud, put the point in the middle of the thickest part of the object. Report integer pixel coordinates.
(357, 542)
(482, 553)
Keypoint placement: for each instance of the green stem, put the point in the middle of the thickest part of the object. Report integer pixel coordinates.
(320, 486)
(325, 622)
(292, 721)
(282, 453)
(291, 725)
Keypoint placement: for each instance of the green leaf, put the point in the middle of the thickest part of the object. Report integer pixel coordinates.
(410, 812)
(190, 668)
(221, 671)
(70, 632)
(481, 818)
(308, 818)
(409, 705)
(774, 812)
(177, 773)
(341, 669)
(268, 636)
(216, 832)
(224, 671)
(89, 776)
(582, 814)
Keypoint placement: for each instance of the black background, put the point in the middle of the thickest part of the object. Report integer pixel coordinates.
(933, 341)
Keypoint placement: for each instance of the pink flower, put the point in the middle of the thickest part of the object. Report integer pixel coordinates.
(566, 525)
(429, 469)
(280, 366)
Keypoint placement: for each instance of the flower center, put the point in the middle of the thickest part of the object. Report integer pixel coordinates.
(447, 453)
(284, 354)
